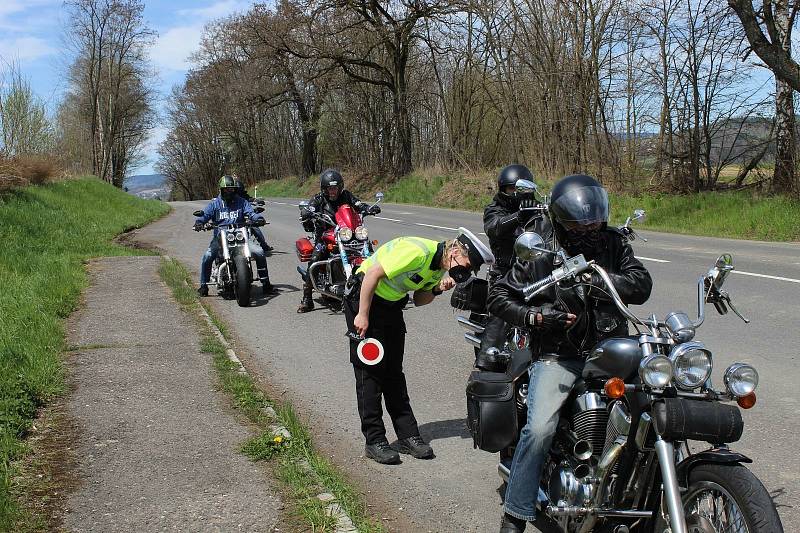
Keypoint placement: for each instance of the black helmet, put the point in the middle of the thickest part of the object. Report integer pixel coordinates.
(579, 212)
(508, 178)
(239, 183)
(228, 188)
(331, 178)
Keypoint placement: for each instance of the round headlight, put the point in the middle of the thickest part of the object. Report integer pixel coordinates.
(656, 371)
(345, 233)
(361, 233)
(240, 236)
(230, 236)
(692, 364)
(740, 379)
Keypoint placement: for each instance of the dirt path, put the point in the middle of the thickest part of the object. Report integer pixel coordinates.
(157, 447)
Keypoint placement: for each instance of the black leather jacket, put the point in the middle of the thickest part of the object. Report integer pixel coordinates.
(597, 316)
(322, 204)
(501, 222)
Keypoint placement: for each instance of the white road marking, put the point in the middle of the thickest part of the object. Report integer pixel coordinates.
(779, 278)
(434, 226)
(652, 259)
(389, 219)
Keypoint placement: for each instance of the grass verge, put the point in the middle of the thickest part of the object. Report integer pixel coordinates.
(288, 456)
(737, 215)
(48, 232)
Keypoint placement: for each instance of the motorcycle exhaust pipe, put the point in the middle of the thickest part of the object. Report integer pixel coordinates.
(504, 471)
(470, 325)
(581, 448)
(473, 340)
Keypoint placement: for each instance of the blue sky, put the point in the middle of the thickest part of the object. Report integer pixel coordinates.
(32, 33)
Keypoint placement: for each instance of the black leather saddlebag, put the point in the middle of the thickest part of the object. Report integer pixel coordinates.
(491, 410)
(712, 422)
(471, 295)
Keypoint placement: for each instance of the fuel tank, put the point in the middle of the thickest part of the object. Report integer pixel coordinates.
(615, 357)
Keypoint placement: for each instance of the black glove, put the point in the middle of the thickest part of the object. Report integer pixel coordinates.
(198, 226)
(374, 210)
(527, 203)
(552, 318)
(259, 222)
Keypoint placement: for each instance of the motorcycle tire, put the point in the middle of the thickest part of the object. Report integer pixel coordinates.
(734, 484)
(243, 280)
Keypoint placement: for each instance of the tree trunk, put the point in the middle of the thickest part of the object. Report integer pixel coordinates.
(783, 179)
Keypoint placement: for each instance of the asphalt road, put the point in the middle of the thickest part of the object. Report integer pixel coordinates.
(305, 358)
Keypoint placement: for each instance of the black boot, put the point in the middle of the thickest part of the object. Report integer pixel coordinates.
(511, 524)
(203, 290)
(307, 303)
(268, 287)
(382, 453)
(415, 447)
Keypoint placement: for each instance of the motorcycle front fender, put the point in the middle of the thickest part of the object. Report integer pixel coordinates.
(716, 456)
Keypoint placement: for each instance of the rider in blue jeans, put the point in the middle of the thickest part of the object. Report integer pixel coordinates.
(566, 322)
(226, 209)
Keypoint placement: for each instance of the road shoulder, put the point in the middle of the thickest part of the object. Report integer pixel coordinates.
(156, 445)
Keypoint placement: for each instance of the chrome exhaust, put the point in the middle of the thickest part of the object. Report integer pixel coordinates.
(473, 340)
(604, 467)
(503, 471)
(470, 325)
(581, 448)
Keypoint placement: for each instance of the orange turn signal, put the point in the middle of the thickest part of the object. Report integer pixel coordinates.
(614, 388)
(375, 242)
(746, 402)
(330, 247)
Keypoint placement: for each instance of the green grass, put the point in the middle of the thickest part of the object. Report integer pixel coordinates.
(737, 215)
(47, 233)
(287, 456)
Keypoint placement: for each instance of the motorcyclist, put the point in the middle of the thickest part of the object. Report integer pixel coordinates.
(565, 323)
(332, 195)
(503, 221)
(257, 233)
(226, 209)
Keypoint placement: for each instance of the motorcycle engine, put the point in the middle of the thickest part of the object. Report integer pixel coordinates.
(589, 420)
(566, 489)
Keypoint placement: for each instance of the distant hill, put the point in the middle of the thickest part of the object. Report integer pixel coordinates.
(144, 182)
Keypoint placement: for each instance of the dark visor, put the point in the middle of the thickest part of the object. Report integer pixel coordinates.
(583, 206)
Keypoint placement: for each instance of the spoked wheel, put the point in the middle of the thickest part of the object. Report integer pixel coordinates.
(726, 499)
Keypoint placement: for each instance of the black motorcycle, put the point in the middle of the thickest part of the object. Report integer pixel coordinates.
(233, 271)
(620, 460)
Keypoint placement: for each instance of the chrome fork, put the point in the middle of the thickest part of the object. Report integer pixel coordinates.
(666, 459)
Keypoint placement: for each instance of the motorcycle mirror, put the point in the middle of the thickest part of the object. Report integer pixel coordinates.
(525, 187)
(259, 209)
(722, 268)
(639, 215)
(304, 206)
(259, 201)
(198, 213)
(379, 196)
(530, 246)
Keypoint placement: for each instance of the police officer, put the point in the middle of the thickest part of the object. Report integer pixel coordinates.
(565, 323)
(332, 195)
(503, 221)
(375, 297)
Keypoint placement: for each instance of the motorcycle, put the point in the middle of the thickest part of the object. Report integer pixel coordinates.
(620, 460)
(233, 271)
(346, 238)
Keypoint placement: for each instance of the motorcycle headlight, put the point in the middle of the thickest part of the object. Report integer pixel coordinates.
(240, 236)
(692, 364)
(361, 233)
(741, 379)
(656, 371)
(345, 233)
(230, 236)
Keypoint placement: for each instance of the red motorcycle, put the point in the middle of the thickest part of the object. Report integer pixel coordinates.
(347, 241)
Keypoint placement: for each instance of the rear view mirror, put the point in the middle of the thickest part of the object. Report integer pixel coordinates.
(198, 213)
(379, 196)
(722, 267)
(639, 215)
(530, 246)
(525, 187)
(304, 206)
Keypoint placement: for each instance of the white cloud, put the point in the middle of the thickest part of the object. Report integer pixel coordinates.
(24, 48)
(174, 45)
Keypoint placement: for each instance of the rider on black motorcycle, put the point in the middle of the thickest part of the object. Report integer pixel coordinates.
(257, 233)
(503, 220)
(565, 323)
(226, 209)
(331, 196)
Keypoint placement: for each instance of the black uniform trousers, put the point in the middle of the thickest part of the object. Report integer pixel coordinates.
(386, 379)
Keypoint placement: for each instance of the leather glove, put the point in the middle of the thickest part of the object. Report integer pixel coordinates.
(374, 210)
(260, 222)
(527, 203)
(552, 318)
(198, 226)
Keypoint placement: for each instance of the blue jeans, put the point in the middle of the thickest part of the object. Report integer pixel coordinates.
(214, 250)
(550, 385)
